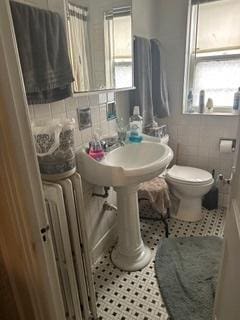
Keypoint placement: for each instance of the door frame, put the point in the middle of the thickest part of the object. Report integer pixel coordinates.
(228, 285)
(28, 259)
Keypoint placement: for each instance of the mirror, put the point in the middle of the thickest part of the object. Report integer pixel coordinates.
(212, 65)
(100, 44)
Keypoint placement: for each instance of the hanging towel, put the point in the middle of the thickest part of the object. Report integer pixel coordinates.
(142, 95)
(43, 53)
(159, 83)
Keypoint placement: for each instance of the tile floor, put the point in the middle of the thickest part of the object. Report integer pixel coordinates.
(124, 295)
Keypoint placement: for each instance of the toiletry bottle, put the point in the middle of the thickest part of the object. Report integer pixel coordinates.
(135, 126)
(236, 102)
(96, 149)
(135, 136)
(190, 102)
(209, 105)
(136, 119)
(201, 101)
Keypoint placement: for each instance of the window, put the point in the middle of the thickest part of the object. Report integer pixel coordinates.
(118, 47)
(213, 53)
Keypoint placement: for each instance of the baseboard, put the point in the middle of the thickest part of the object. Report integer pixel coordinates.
(104, 244)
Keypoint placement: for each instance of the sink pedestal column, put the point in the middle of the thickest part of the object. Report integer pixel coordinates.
(130, 253)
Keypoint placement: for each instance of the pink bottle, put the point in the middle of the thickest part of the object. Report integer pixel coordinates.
(96, 150)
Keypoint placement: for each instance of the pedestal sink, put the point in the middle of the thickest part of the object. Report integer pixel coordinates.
(123, 169)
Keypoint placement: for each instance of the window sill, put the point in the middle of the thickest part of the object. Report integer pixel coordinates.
(223, 114)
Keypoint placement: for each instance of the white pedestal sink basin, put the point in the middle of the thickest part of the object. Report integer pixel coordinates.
(123, 169)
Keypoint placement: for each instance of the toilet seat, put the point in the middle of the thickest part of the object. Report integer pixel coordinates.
(189, 176)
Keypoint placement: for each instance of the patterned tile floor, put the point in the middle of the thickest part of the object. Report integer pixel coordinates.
(124, 295)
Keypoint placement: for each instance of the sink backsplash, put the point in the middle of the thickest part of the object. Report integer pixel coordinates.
(72, 107)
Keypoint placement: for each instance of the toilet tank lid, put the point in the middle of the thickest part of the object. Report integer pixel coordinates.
(189, 174)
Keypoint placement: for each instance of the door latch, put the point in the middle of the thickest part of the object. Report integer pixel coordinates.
(43, 231)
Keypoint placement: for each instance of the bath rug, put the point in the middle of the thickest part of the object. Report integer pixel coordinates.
(187, 271)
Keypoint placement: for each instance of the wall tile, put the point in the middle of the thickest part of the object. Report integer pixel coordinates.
(83, 101)
(102, 98)
(94, 100)
(110, 96)
(58, 107)
(42, 111)
(86, 135)
(73, 115)
(77, 139)
(71, 104)
(104, 128)
(95, 114)
(112, 127)
(60, 116)
(103, 112)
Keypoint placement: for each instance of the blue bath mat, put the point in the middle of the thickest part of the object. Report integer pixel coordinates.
(187, 271)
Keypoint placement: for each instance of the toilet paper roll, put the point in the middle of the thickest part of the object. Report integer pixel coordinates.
(226, 146)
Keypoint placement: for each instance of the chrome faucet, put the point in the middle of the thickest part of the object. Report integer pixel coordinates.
(122, 143)
(111, 143)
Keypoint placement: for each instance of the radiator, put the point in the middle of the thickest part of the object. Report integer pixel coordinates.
(65, 210)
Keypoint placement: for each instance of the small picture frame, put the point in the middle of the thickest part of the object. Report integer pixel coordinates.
(84, 118)
(111, 110)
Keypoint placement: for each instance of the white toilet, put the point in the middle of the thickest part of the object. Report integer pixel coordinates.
(189, 185)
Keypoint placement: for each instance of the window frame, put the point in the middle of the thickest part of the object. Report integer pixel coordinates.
(191, 59)
(111, 60)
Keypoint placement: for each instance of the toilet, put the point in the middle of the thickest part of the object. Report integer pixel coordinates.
(189, 185)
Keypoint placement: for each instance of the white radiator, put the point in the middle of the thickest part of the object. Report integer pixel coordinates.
(65, 209)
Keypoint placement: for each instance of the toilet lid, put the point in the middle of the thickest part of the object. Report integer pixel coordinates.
(189, 175)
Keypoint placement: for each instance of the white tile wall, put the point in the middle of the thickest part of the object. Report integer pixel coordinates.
(194, 138)
(98, 222)
(195, 141)
(67, 109)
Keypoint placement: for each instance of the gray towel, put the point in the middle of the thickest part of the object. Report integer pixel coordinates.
(142, 95)
(43, 53)
(159, 83)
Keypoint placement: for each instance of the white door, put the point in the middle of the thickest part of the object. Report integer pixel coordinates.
(227, 304)
(28, 258)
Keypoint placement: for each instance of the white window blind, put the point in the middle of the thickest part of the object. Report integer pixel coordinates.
(219, 79)
(215, 62)
(218, 25)
(118, 42)
(122, 51)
